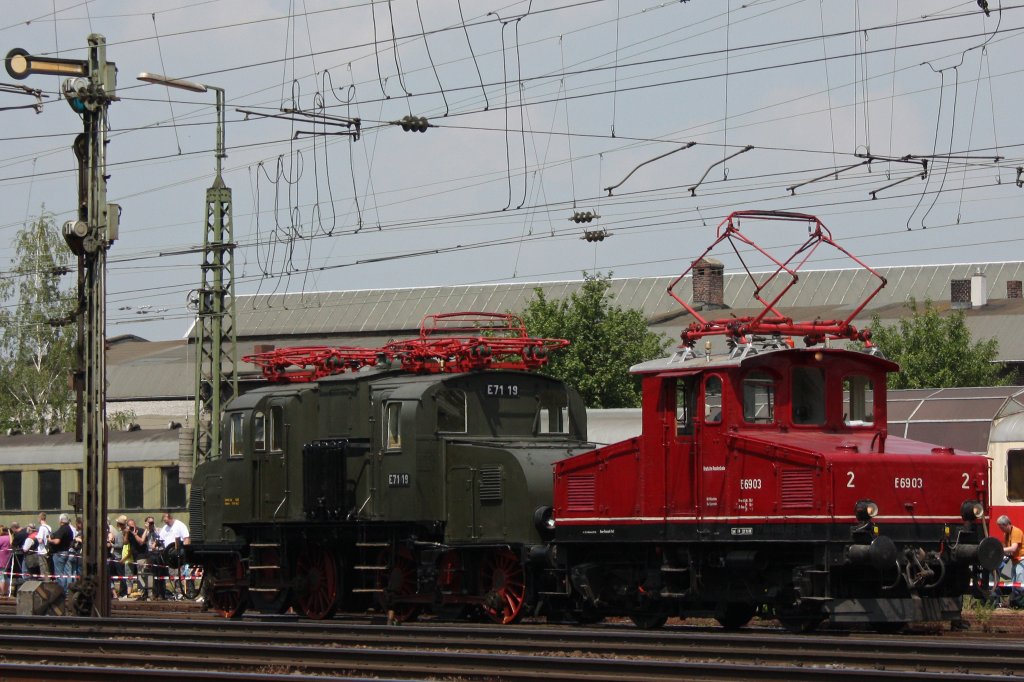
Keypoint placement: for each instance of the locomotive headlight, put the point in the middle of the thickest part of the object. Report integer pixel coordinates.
(544, 520)
(971, 510)
(866, 510)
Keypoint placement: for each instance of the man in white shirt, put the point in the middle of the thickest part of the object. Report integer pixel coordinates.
(173, 536)
(172, 530)
(43, 536)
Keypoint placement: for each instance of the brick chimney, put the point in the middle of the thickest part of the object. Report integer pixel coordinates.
(960, 293)
(708, 283)
(1013, 289)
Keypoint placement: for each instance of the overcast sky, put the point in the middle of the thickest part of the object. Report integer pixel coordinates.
(536, 108)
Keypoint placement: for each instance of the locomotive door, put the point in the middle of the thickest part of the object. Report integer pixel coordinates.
(679, 465)
(270, 475)
(710, 462)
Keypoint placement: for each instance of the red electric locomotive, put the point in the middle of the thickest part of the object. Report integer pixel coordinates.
(764, 479)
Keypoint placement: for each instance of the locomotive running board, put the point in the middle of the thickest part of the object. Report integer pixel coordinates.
(908, 610)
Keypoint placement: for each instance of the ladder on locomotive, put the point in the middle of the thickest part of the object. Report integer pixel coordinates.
(370, 563)
(265, 571)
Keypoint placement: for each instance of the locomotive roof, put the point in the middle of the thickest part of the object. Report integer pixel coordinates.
(690, 361)
(410, 386)
(251, 397)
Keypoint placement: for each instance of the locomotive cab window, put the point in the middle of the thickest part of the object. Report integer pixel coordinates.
(451, 410)
(393, 426)
(858, 401)
(759, 398)
(235, 442)
(808, 395)
(1015, 475)
(552, 412)
(713, 400)
(259, 432)
(276, 428)
(686, 400)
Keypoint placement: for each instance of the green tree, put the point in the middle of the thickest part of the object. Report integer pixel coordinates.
(606, 340)
(36, 355)
(937, 351)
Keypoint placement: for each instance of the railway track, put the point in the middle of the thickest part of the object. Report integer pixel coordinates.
(214, 649)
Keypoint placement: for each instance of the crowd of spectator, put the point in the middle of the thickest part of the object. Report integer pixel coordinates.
(141, 560)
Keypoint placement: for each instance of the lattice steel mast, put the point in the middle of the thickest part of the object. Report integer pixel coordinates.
(215, 337)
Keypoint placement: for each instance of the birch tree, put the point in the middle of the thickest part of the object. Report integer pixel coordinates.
(37, 342)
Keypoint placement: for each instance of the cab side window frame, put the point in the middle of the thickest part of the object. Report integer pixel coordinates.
(259, 432)
(685, 405)
(759, 397)
(276, 428)
(713, 399)
(451, 410)
(392, 422)
(808, 391)
(859, 400)
(235, 441)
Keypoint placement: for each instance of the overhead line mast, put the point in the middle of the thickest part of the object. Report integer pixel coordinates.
(215, 333)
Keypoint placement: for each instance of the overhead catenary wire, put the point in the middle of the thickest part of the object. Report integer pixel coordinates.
(524, 129)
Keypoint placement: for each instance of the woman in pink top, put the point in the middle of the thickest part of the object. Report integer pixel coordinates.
(6, 554)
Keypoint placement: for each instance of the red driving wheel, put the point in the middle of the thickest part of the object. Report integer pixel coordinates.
(318, 574)
(503, 583)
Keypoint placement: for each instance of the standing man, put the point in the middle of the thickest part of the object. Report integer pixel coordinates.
(118, 572)
(174, 536)
(139, 541)
(19, 535)
(173, 531)
(43, 538)
(35, 563)
(1013, 552)
(60, 542)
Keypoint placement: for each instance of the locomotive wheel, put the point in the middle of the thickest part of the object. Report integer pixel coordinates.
(736, 615)
(318, 571)
(503, 583)
(228, 594)
(397, 581)
(450, 572)
(648, 621)
(278, 601)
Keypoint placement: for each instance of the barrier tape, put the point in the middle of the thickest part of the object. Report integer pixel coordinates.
(196, 574)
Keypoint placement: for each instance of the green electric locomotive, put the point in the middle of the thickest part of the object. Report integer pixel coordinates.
(404, 478)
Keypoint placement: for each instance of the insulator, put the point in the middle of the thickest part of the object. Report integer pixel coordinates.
(422, 124)
(583, 216)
